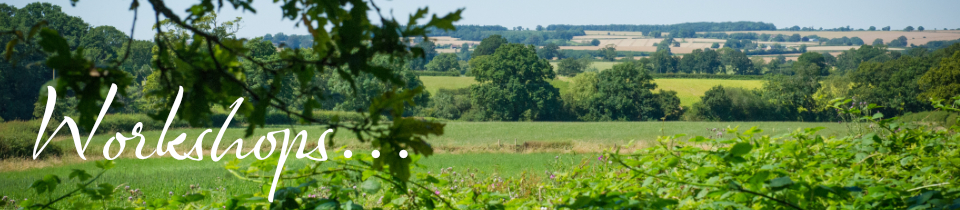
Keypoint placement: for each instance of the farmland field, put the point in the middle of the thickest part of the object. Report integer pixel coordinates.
(914, 37)
(689, 90)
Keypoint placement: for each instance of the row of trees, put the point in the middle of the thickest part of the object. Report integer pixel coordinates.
(695, 27)
(899, 83)
(515, 84)
(538, 37)
(291, 41)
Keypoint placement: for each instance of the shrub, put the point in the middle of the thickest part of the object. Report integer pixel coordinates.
(125, 122)
(18, 138)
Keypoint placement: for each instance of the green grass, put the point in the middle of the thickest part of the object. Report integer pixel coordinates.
(462, 134)
(689, 90)
(158, 176)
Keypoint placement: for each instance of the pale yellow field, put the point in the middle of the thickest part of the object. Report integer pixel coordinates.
(441, 40)
(637, 44)
(868, 36)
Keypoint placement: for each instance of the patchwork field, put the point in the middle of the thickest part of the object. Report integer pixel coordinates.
(689, 90)
(913, 37)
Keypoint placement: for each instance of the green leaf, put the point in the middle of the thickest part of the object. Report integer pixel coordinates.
(105, 164)
(780, 183)
(80, 175)
(741, 149)
(370, 186)
(673, 162)
(759, 177)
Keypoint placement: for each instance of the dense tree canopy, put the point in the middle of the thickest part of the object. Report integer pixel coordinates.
(513, 85)
(489, 45)
(444, 62)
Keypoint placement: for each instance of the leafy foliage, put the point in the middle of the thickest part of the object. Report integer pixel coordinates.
(513, 85)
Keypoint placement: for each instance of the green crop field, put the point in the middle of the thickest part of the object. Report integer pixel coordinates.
(433, 83)
(689, 90)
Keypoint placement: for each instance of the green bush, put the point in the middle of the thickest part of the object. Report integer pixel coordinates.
(125, 122)
(18, 137)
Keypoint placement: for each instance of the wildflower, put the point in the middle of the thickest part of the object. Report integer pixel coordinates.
(553, 176)
(600, 158)
(4, 198)
(126, 187)
(436, 192)
(543, 208)
(130, 198)
(170, 193)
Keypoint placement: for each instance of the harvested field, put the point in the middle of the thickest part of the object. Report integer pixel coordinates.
(441, 40)
(868, 36)
(616, 33)
(625, 43)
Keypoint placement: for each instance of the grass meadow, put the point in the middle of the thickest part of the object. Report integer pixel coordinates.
(484, 148)
(689, 90)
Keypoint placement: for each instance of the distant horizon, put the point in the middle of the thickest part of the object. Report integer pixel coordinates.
(529, 14)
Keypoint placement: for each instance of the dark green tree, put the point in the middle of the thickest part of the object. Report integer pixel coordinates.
(595, 42)
(899, 42)
(550, 51)
(489, 45)
(908, 29)
(608, 53)
(623, 93)
(663, 62)
(943, 81)
(444, 62)
(570, 67)
(877, 42)
(513, 85)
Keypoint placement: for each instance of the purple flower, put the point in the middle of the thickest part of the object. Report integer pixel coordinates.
(437, 192)
(553, 176)
(170, 193)
(130, 198)
(600, 158)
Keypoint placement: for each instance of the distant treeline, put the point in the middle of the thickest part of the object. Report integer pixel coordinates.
(696, 26)
(535, 37)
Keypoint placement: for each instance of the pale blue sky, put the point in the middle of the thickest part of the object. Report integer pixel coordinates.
(511, 13)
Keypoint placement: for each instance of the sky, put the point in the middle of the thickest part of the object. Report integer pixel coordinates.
(530, 13)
